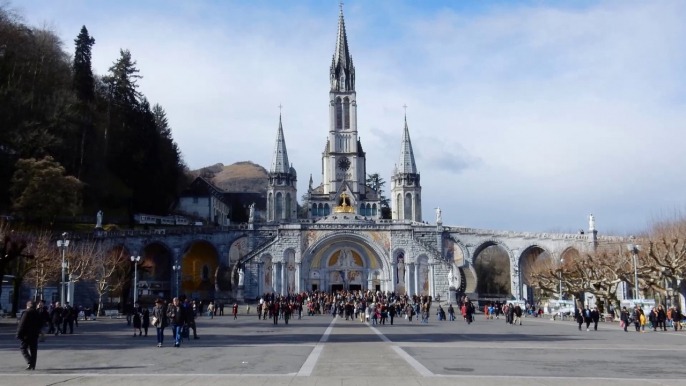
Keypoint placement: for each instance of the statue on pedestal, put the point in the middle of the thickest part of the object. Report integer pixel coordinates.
(98, 222)
(251, 218)
(451, 278)
(439, 218)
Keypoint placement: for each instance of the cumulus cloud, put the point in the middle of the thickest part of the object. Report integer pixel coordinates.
(523, 116)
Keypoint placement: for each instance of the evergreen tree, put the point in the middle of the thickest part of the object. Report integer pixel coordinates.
(84, 87)
(376, 182)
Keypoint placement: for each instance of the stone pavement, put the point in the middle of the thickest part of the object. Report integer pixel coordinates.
(320, 350)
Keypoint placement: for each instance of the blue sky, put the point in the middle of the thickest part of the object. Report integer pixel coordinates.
(523, 115)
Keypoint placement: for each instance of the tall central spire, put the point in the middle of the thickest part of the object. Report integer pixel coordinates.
(407, 164)
(342, 69)
(280, 158)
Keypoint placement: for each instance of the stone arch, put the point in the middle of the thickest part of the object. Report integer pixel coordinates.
(525, 261)
(198, 255)
(375, 258)
(493, 271)
(156, 272)
(570, 252)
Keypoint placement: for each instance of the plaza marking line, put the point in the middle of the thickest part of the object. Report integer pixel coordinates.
(423, 371)
(308, 366)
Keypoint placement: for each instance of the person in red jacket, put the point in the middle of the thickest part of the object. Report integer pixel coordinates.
(235, 311)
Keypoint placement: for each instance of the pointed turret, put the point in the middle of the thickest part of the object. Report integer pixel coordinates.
(342, 69)
(280, 162)
(407, 164)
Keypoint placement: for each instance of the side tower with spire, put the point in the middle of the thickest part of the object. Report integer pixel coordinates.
(282, 185)
(406, 191)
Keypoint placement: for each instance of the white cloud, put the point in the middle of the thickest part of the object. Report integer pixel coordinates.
(522, 117)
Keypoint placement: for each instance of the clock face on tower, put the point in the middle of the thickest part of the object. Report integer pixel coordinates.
(344, 164)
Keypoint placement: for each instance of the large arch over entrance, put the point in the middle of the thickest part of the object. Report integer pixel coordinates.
(155, 273)
(198, 266)
(492, 268)
(346, 261)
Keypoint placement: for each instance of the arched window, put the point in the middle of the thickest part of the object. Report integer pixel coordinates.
(408, 207)
(326, 210)
(369, 210)
(362, 210)
(314, 210)
(278, 207)
(398, 206)
(373, 209)
(346, 113)
(270, 207)
(320, 210)
(287, 214)
(339, 114)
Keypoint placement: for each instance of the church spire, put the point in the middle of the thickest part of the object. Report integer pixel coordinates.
(280, 158)
(342, 69)
(407, 164)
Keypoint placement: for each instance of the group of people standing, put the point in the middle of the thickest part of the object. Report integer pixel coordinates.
(657, 318)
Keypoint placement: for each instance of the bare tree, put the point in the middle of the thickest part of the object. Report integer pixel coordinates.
(46, 264)
(109, 262)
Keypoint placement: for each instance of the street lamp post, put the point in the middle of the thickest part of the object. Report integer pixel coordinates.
(561, 262)
(177, 271)
(64, 243)
(634, 249)
(135, 260)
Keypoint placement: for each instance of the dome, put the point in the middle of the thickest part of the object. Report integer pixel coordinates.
(292, 171)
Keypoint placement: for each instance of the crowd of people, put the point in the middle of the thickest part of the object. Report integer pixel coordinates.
(658, 319)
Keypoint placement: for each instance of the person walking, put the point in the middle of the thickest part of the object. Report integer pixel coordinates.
(146, 320)
(235, 311)
(28, 332)
(177, 315)
(587, 318)
(56, 317)
(578, 316)
(595, 317)
(210, 310)
(67, 319)
(624, 317)
(451, 312)
(137, 323)
(159, 321)
(45, 315)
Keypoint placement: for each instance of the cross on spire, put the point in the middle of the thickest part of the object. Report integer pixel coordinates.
(280, 108)
(340, 5)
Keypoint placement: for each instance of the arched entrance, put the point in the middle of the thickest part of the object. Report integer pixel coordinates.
(198, 267)
(529, 259)
(492, 268)
(345, 262)
(155, 273)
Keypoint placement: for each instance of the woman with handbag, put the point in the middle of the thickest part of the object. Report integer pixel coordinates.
(159, 320)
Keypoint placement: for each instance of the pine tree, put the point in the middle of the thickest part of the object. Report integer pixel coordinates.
(84, 87)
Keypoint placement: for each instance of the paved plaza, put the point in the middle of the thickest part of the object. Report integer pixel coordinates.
(321, 350)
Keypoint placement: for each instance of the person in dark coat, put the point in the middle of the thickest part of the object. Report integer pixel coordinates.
(579, 317)
(146, 320)
(624, 317)
(137, 324)
(28, 332)
(56, 317)
(67, 318)
(595, 317)
(179, 317)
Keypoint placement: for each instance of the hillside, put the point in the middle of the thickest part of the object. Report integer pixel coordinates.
(242, 176)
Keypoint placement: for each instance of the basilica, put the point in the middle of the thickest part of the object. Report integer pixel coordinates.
(343, 241)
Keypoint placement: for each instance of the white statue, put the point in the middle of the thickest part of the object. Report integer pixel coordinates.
(241, 277)
(451, 278)
(591, 223)
(439, 218)
(252, 212)
(401, 270)
(344, 258)
(98, 223)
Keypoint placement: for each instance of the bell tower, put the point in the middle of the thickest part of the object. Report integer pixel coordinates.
(343, 158)
(281, 189)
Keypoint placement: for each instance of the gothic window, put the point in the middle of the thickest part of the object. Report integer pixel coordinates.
(362, 210)
(339, 114)
(398, 206)
(373, 209)
(287, 215)
(314, 209)
(278, 207)
(320, 210)
(369, 210)
(326, 209)
(270, 207)
(408, 207)
(346, 113)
